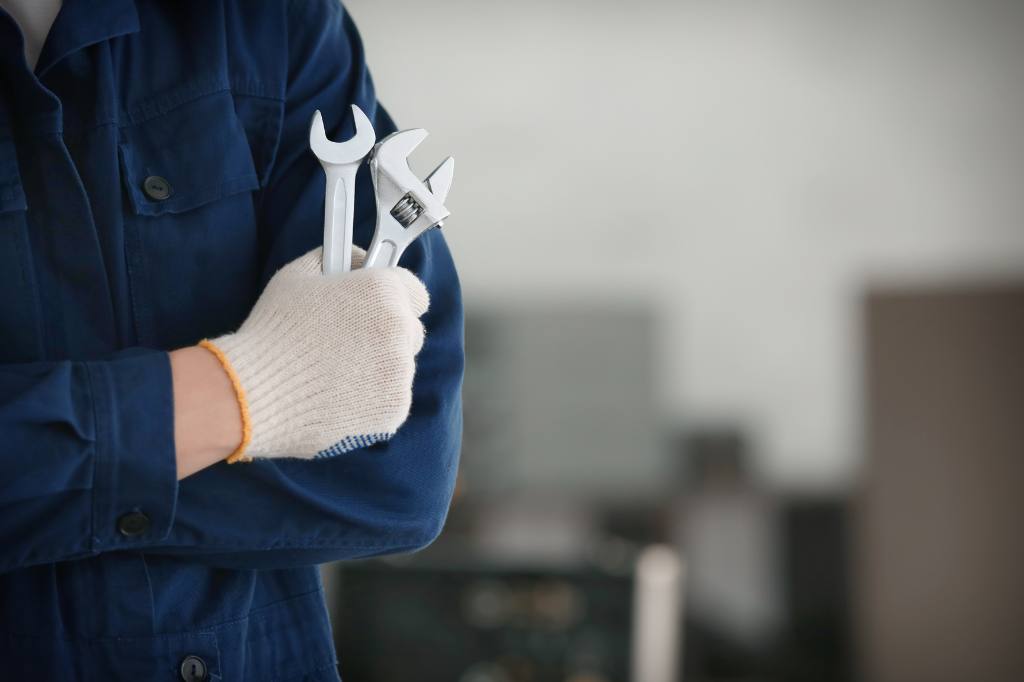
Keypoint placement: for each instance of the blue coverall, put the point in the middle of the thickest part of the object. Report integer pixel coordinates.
(110, 569)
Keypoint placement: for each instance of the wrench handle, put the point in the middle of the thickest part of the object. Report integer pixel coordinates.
(383, 253)
(339, 208)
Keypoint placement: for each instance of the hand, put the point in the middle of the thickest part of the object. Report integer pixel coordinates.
(325, 364)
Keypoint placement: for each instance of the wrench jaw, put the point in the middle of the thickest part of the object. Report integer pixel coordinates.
(440, 179)
(406, 206)
(340, 161)
(353, 150)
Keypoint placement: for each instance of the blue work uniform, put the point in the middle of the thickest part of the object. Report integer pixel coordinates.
(154, 174)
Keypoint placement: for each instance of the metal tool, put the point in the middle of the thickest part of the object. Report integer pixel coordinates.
(406, 207)
(341, 161)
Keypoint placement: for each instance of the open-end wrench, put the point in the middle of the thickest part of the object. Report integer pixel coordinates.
(341, 161)
(406, 207)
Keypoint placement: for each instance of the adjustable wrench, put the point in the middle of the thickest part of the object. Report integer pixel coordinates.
(340, 161)
(406, 207)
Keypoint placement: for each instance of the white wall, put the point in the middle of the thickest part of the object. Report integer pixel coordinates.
(746, 165)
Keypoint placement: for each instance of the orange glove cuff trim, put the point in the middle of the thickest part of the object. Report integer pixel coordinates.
(243, 405)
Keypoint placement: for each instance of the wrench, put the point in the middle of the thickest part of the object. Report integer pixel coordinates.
(406, 207)
(340, 161)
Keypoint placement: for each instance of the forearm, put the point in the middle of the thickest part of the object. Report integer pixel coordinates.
(391, 497)
(87, 447)
(207, 421)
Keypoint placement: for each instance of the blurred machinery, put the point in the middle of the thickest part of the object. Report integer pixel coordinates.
(767, 578)
(479, 623)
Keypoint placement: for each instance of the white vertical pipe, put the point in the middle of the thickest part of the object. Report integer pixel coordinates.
(657, 616)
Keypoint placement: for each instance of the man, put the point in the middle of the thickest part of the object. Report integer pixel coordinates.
(162, 310)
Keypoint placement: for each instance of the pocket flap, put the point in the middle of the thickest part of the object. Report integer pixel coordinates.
(187, 157)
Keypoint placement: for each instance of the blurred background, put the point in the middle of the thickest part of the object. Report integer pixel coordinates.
(745, 317)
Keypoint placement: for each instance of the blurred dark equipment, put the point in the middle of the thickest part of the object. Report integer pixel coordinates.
(729, 530)
(812, 643)
(940, 544)
(482, 624)
(768, 579)
(815, 642)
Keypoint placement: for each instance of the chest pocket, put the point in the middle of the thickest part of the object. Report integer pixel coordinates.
(18, 319)
(190, 224)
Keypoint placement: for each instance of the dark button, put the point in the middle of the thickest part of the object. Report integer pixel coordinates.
(133, 524)
(156, 188)
(193, 669)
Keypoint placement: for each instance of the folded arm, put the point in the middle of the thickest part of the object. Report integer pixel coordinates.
(88, 461)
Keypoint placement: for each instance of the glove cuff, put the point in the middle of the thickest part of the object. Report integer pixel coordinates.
(243, 404)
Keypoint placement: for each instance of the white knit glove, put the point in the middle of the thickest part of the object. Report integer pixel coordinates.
(324, 363)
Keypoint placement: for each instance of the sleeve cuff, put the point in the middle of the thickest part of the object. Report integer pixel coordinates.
(135, 480)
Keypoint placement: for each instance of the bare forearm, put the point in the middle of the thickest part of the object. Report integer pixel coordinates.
(207, 421)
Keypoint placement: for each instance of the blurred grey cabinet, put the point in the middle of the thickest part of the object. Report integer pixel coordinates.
(940, 526)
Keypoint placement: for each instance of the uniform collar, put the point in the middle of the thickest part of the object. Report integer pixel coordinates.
(81, 23)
